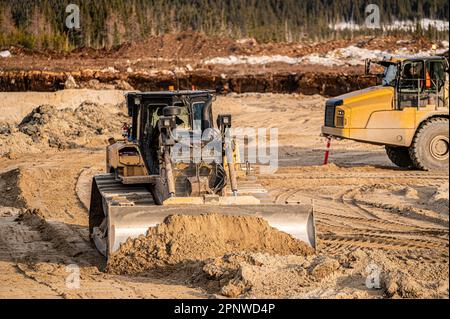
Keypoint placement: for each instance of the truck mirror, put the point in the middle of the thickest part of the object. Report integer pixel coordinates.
(223, 121)
(366, 67)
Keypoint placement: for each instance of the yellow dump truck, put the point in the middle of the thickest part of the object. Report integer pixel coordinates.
(408, 113)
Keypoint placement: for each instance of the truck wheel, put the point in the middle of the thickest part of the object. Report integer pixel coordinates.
(399, 156)
(429, 149)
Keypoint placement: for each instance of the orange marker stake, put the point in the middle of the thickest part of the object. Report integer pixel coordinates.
(327, 151)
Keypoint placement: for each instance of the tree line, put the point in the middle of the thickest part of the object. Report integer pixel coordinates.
(105, 23)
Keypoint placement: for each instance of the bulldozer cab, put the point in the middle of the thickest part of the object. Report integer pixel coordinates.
(146, 109)
(193, 113)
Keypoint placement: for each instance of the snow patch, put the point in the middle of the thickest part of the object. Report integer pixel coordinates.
(252, 59)
(402, 25)
(350, 55)
(110, 69)
(425, 24)
(5, 54)
(340, 26)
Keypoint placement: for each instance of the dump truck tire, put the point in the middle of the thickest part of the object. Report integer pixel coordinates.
(399, 156)
(429, 148)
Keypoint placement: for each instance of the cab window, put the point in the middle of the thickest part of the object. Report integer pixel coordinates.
(436, 75)
(390, 75)
(182, 119)
(412, 85)
(197, 115)
(412, 76)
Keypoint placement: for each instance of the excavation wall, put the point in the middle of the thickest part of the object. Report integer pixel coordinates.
(305, 83)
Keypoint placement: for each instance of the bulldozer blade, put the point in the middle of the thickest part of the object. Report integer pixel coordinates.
(118, 213)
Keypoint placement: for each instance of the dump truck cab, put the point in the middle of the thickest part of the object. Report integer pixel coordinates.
(412, 94)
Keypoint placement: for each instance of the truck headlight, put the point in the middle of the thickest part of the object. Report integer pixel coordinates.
(340, 118)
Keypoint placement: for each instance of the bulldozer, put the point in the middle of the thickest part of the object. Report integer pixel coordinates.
(408, 112)
(159, 169)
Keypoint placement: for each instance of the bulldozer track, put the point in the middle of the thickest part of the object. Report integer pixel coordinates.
(357, 205)
(363, 215)
(381, 242)
(345, 221)
(338, 247)
(384, 240)
(384, 225)
(413, 238)
(358, 175)
(349, 201)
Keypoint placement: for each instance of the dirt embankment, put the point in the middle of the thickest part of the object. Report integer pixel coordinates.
(196, 46)
(326, 83)
(179, 60)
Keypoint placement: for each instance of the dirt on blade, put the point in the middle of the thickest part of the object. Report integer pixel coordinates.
(183, 238)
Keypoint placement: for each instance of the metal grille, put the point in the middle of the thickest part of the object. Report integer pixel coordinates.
(329, 115)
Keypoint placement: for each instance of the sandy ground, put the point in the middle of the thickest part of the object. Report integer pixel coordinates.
(371, 217)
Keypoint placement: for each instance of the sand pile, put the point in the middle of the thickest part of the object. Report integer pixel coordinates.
(355, 274)
(182, 238)
(425, 202)
(88, 125)
(10, 192)
(262, 274)
(439, 200)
